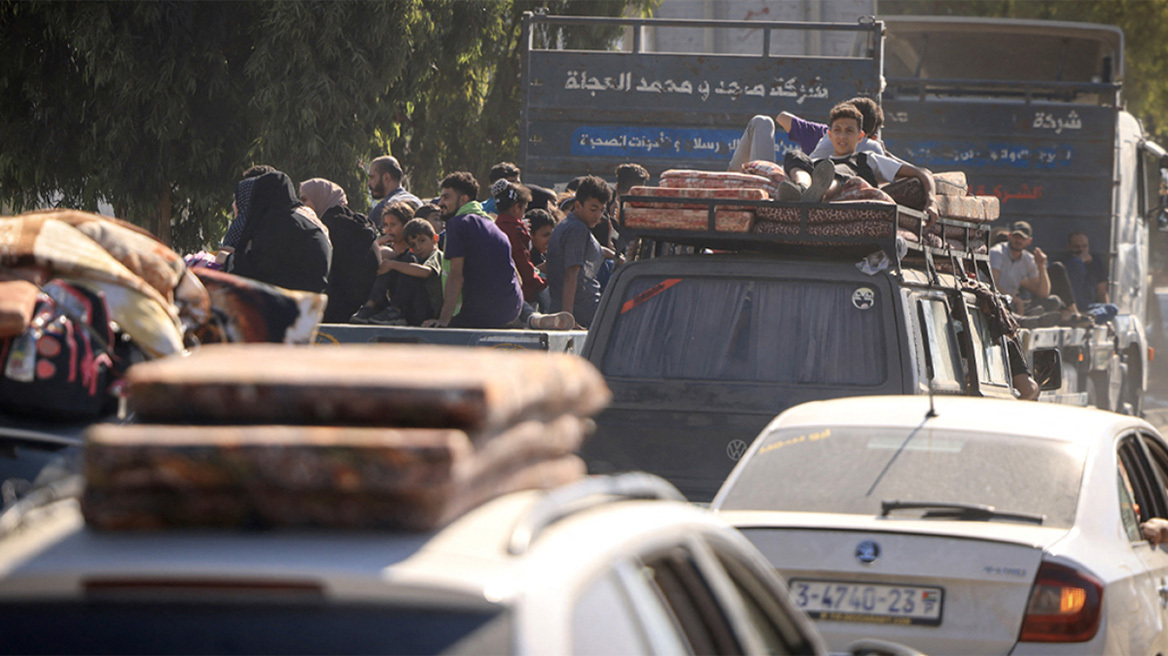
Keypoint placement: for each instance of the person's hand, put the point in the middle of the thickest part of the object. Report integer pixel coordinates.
(433, 323)
(1039, 257)
(386, 266)
(1155, 530)
(931, 214)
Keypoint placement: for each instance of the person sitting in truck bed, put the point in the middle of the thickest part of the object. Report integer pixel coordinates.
(481, 270)
(812, 181)
(417, 291)
(1086, 272)
(1015, 269)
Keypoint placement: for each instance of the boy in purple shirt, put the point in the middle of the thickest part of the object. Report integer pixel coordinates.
(758, 141)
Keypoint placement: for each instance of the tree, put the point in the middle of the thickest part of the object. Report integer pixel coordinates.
(156, 107)
(1144, 23)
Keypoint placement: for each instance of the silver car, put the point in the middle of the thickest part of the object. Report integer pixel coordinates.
(964, 525)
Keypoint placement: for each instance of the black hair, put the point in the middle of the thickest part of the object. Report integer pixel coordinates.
(503, 170)
(595, 188)
(537, 219)
(258, 170)
(463, 183)
(415, 227)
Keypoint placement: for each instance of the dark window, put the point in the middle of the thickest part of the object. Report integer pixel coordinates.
(772, 331)
(226, 628)
(694, 605)
(771, 617)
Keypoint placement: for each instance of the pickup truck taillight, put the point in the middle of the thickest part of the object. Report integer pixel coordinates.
(1065, 606)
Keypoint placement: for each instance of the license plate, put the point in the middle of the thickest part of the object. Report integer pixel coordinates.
(842, 601)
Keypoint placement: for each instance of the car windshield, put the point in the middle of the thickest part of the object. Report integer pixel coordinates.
(761, 330)
(854, 470)
(233, 628)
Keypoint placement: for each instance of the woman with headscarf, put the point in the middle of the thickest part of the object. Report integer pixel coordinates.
(354, 252)
(276, 239)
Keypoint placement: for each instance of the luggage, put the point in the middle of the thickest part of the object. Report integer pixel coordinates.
(693, 179)
(407, 385)
(61, 366)
(356, 437)
(17, 301)
(725, 220)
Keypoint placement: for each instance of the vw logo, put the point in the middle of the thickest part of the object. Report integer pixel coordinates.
(867, 552)
(736, 449)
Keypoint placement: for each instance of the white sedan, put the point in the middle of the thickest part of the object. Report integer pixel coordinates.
(979, 527)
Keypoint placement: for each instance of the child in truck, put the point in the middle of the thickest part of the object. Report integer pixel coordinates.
(417, 294)
(813, 181)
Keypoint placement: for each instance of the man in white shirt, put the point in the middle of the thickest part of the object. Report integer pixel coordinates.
(1015, 268)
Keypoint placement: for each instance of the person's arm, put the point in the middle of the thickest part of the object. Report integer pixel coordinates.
(784, 120)
(453, 290)
(1038, 285)
(1155, 530)
(909, 171)
(408, 268)
(568, 294)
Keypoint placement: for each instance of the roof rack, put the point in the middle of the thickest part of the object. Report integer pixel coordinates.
(804, 241)
(565, 501)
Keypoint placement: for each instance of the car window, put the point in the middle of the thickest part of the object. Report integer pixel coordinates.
(988, 353)
(688, 595)
(1128, 511)
(604, 622)
(942, 357)
(853, 469)
(770, 617)
(158, 627)
(1158, 457)
(1146, 490)
(767, 331)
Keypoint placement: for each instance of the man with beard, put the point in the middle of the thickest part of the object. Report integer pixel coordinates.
(481, 270)
(1015, 269)
(384, 183)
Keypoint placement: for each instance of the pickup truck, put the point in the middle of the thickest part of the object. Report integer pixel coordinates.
(702, 350)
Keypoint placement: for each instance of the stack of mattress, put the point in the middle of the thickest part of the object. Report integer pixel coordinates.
(359, 437)
(687, 183)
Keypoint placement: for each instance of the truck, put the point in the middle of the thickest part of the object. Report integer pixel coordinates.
(679, 336)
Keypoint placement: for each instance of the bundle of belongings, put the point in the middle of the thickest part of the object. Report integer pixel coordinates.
(83, 296)
(759, 181)
(355, 436)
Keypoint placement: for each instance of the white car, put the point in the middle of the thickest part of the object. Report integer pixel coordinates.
(594, 568)
(976, 526)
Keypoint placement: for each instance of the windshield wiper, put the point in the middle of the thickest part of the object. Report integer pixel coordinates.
(959, 510)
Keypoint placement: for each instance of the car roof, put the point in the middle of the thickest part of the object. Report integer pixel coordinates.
(1050, 421)
(467, 563)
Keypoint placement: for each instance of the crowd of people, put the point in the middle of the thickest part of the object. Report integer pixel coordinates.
(524, 258)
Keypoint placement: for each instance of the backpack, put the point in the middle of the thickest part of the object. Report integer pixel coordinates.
(61, 367)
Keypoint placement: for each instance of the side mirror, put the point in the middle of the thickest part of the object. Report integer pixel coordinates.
(1048, 369)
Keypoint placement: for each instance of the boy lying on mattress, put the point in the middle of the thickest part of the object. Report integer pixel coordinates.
(846, 173)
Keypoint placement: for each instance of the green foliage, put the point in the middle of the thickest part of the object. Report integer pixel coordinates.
(156, 107)
(1144, 23)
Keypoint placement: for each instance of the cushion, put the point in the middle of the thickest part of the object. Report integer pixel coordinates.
(674, 219)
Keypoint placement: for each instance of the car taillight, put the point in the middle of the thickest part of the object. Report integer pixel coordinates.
(1065, 606)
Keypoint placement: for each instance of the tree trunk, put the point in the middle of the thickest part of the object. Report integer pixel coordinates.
(160, 222)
